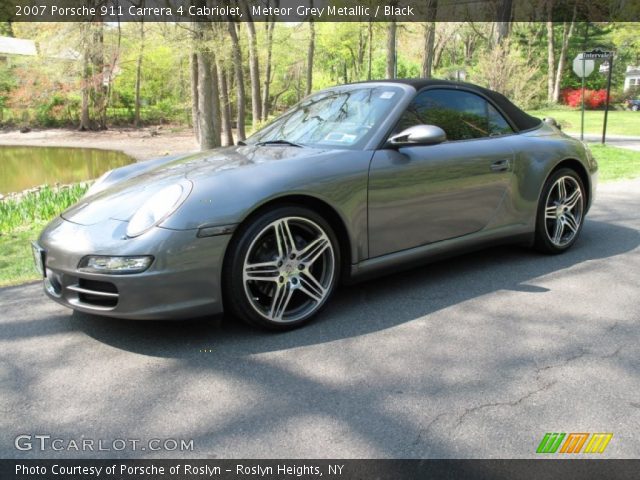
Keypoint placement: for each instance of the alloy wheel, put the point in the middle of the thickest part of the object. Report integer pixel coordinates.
(289, 269)
(563, 211)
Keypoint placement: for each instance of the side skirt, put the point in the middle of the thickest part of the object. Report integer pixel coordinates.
(424, 254)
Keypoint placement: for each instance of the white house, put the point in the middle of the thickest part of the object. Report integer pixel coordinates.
(631, 77)
(10, 47)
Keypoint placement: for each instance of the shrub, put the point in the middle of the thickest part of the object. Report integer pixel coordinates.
(592, 98)
(39, 205)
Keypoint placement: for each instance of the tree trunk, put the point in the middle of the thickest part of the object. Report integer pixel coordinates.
(362, 48)
(215, 101)
(429, 38)
(195, 113)
(427, 61)
(254, 72)
(503, 25)
(391, 50)
(551, 59)
(136, 117)
(85, 119)
(225, 106)
(206, 104)
(566, 36)
(370, 50)
(310, 51)
(100, 90)
(236, 55)
(267, 75)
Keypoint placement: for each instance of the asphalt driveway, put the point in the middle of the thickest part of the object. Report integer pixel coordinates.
(475, 357)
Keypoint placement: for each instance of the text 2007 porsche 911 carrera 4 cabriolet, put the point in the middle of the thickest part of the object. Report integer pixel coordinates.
(354, 180)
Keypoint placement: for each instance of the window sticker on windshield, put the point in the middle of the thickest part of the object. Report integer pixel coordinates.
(340, 137)
(387, 95)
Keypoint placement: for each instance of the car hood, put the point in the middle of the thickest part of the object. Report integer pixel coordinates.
(121, 199)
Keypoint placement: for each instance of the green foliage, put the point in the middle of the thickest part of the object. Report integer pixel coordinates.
(38, 206)
(616, 163)
(7, 83)
(46, 91)
(16, 260)
(618, 123)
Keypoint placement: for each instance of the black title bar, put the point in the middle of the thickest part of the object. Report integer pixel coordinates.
(318, 10)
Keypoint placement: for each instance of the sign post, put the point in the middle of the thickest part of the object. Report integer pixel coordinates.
(598, 53)
(583, 68)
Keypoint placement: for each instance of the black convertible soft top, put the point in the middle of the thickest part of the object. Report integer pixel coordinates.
(521, 120)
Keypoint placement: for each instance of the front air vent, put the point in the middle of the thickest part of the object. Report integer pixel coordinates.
(96, 293)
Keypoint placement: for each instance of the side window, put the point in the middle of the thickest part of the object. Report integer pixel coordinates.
(462, 115)
(497, 124)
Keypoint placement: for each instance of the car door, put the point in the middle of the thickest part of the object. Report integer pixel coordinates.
(424, 194)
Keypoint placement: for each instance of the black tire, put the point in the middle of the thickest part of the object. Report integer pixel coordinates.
(635, 108)
(249, 300)
(544, 241)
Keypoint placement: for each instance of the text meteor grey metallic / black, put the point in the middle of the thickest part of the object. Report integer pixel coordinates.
(353, 181)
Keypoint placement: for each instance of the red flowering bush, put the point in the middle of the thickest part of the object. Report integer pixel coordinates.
(592, 98)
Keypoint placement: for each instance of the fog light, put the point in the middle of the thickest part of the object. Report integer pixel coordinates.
(115, 265)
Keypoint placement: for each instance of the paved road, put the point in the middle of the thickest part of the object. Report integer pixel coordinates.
(475, 357)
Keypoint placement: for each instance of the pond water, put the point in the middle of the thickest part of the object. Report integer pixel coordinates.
(26, 167)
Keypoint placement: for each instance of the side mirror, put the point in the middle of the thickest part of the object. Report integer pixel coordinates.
(418, 135)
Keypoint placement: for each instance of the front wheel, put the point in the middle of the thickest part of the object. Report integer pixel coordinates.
(282, 268)
(560, 212)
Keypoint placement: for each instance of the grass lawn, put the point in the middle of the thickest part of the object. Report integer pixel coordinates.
(16, 261)
(616, 163)
(620, 122)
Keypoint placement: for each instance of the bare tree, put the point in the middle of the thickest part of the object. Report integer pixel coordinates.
(85, 119)
(99, 86)
(370, 32)
(551, 59)
(195, 112)
(225, 105)
(94, 91)
(254, 70)
(429, 38)
(391, 49)
(362, 49)
(567, 32)
(310, 51)
(503, 25)
(206, 103)
(270, 25)
(215, 100)
(236, 55)
(136, 115)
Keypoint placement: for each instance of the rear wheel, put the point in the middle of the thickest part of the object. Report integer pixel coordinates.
(282, 268)
(560, 212)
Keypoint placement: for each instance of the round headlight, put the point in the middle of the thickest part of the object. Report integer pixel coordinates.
(158, 207)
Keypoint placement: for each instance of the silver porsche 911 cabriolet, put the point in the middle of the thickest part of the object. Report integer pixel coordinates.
(353, 181)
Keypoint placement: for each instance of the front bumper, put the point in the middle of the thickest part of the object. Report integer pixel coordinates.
(183, 281)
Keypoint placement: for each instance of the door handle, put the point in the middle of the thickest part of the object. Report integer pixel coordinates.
(501, 165)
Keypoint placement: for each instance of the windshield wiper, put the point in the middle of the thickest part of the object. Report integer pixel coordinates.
(279, 142)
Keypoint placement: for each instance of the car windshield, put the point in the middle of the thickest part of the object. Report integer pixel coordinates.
(337, 118)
